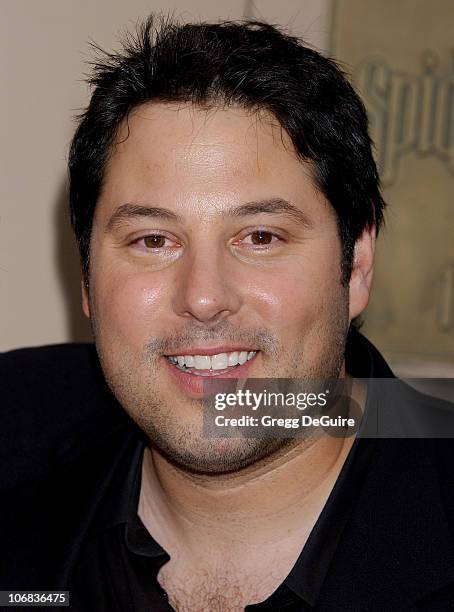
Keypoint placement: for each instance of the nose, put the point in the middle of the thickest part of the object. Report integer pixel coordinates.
(205, 287)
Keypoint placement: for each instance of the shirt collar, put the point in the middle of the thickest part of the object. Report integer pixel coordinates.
(138, 538)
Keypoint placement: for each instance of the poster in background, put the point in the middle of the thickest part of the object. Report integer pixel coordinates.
(401, 58)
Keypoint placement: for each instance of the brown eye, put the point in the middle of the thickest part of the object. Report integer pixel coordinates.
(260, 237)
(154, 241)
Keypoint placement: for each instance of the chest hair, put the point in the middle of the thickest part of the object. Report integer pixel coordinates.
(214, 591)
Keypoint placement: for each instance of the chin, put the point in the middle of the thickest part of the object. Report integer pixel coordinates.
(217, 455)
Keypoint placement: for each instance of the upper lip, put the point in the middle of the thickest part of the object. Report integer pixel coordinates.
(214, 350)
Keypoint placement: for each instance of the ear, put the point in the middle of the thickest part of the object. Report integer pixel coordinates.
(85, 298)
(362, 272)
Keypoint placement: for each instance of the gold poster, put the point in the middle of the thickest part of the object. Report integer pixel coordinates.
(400, 55)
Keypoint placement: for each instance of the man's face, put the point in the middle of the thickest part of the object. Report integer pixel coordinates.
(209, 238)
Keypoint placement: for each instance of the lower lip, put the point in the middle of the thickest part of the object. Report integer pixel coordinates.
(198, 386)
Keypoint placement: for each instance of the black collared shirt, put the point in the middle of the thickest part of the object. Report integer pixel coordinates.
(70, 482)
(117, 570)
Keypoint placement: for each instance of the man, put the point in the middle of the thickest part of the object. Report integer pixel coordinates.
(225, 202)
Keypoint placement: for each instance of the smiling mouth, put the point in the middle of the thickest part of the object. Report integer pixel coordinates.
(210, 365)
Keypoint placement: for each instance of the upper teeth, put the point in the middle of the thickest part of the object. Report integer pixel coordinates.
(212, 362)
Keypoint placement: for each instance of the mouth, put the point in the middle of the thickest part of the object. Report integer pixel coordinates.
(211, 365)
(193, 371)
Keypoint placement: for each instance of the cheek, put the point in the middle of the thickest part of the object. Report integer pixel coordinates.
(129, 307)
(299, 295)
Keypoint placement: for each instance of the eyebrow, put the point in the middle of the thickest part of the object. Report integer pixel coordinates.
(125, 212)
(273, 206)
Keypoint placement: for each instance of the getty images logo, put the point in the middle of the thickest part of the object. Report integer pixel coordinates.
(289, 408)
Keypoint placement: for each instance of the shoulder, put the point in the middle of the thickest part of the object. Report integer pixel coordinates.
(54, 405)
(41, 366)
(417, 443)
(414, 412)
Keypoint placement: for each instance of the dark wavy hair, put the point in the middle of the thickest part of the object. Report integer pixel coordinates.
(251, 64)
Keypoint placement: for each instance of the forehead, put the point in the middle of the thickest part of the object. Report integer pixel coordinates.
(184, 154)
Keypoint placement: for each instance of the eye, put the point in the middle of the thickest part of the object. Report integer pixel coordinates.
(260, 238)
(155, 242)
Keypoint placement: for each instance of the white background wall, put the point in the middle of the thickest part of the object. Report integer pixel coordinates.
(43, 47)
